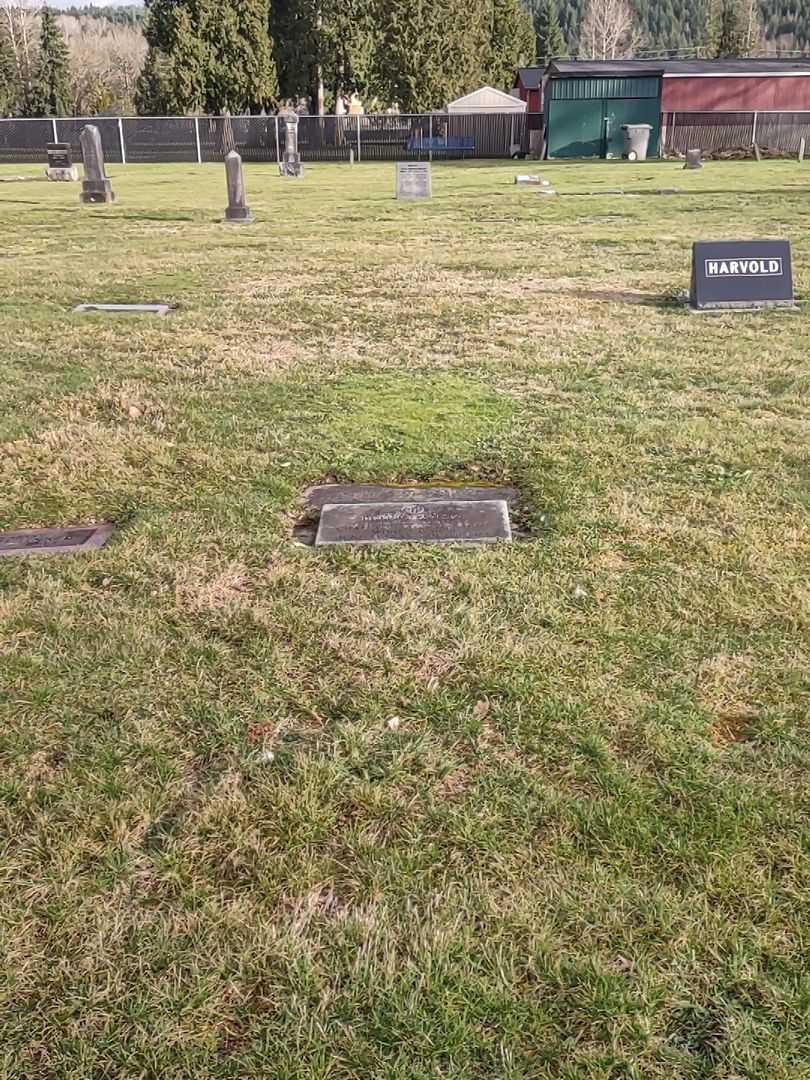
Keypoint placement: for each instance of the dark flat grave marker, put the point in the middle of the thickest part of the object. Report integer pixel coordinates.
(123, 309)
(451, 521)
(741, 275)
(64, 541)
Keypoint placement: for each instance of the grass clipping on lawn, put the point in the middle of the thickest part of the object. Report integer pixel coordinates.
(532, 811)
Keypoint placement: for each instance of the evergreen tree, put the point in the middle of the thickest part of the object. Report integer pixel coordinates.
(434, 50)
(512, 43)
(733, 28)
(50, 82)
(324, 48)
(208, 56)
(550, 42)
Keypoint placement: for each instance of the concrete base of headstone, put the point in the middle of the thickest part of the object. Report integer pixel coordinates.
(97, 191)
(238, 215)
(68, 175)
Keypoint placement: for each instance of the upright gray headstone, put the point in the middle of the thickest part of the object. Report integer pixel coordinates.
(693, 159)
(60, 162)
(96, 187)
(414, 180)
(291, 161)
(237, 210)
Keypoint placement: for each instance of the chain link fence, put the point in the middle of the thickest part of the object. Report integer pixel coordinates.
(141, 139)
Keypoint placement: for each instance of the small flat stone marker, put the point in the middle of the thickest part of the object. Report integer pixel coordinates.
(65, 541)
(237, 211)
(414, 180)
(453, 521)
(123, 309)
(531, 180)
(96, 188)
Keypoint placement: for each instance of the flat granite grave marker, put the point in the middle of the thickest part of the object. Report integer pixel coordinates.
(414, 180)
(123, 309)
(450, 521)
(65, 541)
(740, 275)
(237, 211)
(96, 187)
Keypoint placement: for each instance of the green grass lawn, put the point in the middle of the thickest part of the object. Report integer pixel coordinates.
(584, 850)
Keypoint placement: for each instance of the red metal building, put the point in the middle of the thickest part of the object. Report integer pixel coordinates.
(701, 86)
(710, 104)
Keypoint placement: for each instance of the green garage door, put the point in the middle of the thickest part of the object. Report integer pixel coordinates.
(575, 129)
(630, 111)
(585, 115)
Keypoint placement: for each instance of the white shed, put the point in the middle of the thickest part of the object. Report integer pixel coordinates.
(504, 128)
(487, 100)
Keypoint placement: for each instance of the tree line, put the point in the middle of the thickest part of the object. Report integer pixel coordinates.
(240, 55)
(214, 56)
(685, 26)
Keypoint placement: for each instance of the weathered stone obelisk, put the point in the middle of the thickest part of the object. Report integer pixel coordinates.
(237, 210)
(96, 187)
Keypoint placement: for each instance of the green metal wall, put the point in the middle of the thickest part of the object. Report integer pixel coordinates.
(582, 89)
(584, 116)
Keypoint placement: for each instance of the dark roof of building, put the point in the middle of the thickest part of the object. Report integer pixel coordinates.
(529, 78)
(748, 66)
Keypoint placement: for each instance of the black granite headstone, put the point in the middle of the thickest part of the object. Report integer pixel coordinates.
(59, 155)
(741, 274)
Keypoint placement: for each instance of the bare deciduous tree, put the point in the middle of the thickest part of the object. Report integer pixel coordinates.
(106, 60)
(609, 30)
(20, 26)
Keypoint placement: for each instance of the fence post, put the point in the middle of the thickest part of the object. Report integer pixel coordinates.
(278, 148)
(754, 131)
(53, 129)
(197, 138)
(359, 155)
(430, 137)
(121, 141)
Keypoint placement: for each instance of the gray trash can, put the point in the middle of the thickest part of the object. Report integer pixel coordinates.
(636, 141)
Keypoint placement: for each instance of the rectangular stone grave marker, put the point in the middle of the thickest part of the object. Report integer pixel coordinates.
(123, 309)
(54, 541)
(414, 180)
(452, 521)
(741, 274)
(60, 162)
